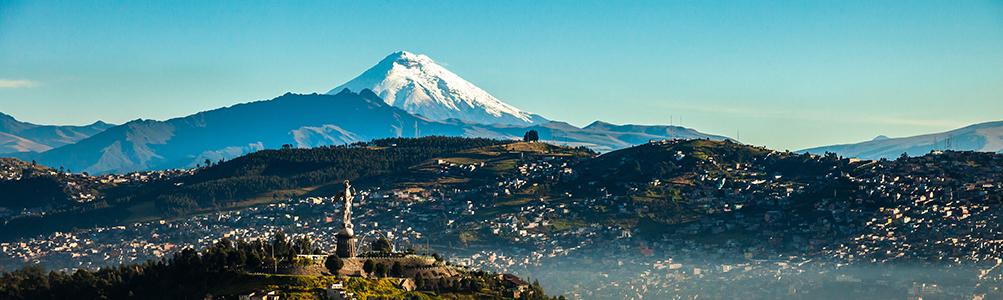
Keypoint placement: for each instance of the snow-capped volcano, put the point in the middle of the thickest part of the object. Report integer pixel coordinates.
(415, 83)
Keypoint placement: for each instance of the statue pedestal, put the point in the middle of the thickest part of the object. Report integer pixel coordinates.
(346, 244)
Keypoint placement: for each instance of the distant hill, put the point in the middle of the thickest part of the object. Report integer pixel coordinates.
(983, 137)
(17, 136)
(599, 136)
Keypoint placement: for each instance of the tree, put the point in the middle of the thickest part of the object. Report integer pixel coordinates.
(303, 246)
(382, 245)
(397, 270)
(380, 270)
(281, 243)
(531, 136)
(368, 265)
(333, 263)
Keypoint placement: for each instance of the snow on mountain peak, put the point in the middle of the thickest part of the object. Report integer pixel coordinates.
(410, 58)
(417, 84)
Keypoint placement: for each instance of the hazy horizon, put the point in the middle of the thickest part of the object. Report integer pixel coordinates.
(788, 76)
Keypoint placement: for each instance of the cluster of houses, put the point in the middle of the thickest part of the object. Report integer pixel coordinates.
(12, 169)
(78, 187)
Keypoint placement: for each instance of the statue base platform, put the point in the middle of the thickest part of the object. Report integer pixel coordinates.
(346, 245)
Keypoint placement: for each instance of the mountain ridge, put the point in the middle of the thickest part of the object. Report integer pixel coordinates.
(983, 137)
(18, 136)
(305, 121)
(229, 132)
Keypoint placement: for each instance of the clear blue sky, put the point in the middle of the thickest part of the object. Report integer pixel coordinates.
(787, 74)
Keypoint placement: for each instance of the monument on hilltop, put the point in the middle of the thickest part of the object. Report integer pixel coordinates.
(346, 236)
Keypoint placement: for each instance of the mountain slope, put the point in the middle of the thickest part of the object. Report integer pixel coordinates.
(984, 137)
(417, 84)
(300, 120)
(18, 136)
(10, 143)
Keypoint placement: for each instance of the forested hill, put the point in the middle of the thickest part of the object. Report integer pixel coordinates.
(252, 179)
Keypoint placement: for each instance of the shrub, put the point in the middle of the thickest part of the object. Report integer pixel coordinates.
(333, 263)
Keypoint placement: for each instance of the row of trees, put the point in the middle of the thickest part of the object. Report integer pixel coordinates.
(383, 270)
(191, 274)
(333, 263)
(188, 274)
